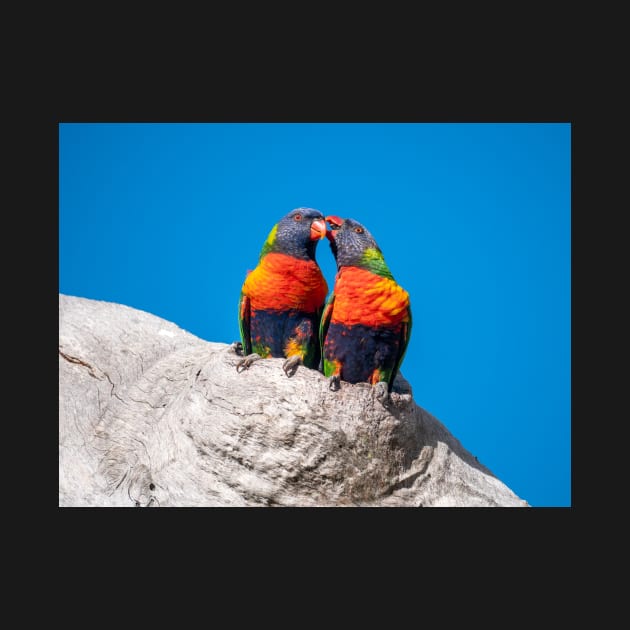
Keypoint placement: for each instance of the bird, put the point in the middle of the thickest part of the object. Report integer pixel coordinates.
(282, 298)
(366, 323)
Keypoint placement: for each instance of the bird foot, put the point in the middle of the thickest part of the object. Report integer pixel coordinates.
(381, 391)
(334, 383)
(244, 364)
(290, 366)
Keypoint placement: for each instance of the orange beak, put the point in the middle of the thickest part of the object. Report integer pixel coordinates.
(318, 229)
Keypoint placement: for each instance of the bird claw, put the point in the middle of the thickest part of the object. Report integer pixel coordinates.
(290, 366)
(244, 364)
(381, 391)
(334, 383)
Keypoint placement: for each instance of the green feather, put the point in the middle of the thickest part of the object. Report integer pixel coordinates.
(244, 324)
(324, 323)
(372, 260)
(329, 368)
(405, 335)
(268, 244)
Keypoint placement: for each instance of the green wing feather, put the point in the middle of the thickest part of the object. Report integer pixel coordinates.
(405, 334)
(244, 319)
(324, 322)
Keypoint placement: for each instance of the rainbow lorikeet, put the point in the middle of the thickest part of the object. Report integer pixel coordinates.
(366, 323)
(283, 297)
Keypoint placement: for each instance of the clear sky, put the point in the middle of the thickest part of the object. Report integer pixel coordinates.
(474, 221)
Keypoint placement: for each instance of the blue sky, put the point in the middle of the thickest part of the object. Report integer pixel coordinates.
(474, 221)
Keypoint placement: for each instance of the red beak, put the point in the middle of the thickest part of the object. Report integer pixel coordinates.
(318, 229)
(337, 222)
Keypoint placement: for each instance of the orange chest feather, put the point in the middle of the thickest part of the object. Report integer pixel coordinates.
(362, 297)
(281, 282)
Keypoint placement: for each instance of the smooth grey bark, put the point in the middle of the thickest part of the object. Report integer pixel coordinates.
(150, 415)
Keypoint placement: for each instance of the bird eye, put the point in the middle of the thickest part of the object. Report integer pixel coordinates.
(358, 230)
(298, 217)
